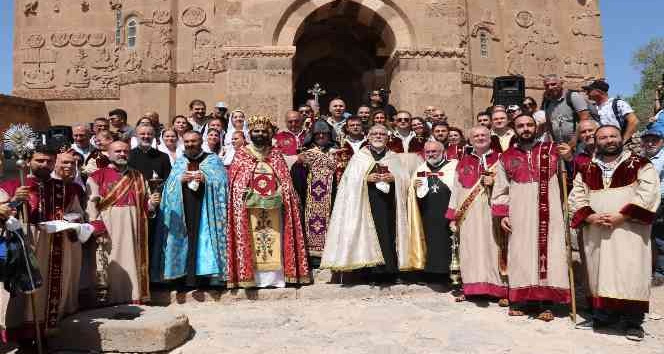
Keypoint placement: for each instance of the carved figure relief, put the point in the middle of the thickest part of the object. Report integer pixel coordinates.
(77, 74)
(435, 9)
(56, 6)
(78, 39)
(585, 24)
(35, 41)
(30, 8)
(193, 16)
(59, 39)
(204, 51)
(39, 78)
(533, 50)
(85, 5)
(103, 59)
(159, 50)
(97, 39)
(132, 63)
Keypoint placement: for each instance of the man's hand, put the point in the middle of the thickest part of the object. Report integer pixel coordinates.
(155, 199)
(565, 151)
(595, 219)
(613, 220)
(418, 183)
(506, 224)
(6, 211)
(187, 177)
(387, 177)
(373, 178)
(199, 177)
(22, 194)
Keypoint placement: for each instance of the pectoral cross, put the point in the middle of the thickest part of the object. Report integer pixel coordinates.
(435, 188)
(317, 91)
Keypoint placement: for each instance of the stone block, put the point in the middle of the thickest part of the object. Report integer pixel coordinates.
(123, 329)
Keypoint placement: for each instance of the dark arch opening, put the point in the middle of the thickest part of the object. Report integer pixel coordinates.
(344, 46)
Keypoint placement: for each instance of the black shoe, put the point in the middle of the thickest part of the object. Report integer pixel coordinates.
(635, 333)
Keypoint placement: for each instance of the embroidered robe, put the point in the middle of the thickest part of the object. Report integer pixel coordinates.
(527, 191)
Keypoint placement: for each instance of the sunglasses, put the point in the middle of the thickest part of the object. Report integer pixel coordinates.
(402, 120)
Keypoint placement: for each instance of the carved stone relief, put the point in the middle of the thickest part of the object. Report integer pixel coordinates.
(59, 39)
(78, 39)
(30, 8)
(38, 68)
(132, 62)
(193, 16)
(161, 16)
(159, 49)
(77, 74)
(524, 19)
(115, 4)
(533, 50)
(35, 41)
(204, 51)
(97, 39)
(85, 5)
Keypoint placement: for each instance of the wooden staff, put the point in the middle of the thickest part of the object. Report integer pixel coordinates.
(562, 174)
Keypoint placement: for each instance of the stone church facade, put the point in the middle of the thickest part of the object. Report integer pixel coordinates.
(85, 57)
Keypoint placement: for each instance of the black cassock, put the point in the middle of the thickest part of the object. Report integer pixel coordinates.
(436, 227)
(193, 202)
(383, 211)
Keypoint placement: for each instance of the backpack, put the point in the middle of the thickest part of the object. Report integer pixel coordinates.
(594, 112)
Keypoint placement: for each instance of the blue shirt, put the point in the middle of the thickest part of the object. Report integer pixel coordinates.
(658, 162)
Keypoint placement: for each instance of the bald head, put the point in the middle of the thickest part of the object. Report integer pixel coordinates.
(81, 135)
(294, 121)
(480, 138)
(337, 109)
(118, 152)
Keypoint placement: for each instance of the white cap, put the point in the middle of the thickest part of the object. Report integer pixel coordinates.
(221, 104)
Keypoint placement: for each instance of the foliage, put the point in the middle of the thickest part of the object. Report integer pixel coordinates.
(649, 60)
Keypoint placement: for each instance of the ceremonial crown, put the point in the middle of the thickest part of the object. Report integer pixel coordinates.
(256, 121)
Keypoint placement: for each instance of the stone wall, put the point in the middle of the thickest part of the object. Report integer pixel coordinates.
(77, 55)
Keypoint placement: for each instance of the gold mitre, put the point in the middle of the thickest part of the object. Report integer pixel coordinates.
(260, 121)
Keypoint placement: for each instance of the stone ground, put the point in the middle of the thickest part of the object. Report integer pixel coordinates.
(383, 321)
(400, 319)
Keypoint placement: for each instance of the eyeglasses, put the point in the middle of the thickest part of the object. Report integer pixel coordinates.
(402, 120)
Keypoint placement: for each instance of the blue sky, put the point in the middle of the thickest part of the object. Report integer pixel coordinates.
(628, 24)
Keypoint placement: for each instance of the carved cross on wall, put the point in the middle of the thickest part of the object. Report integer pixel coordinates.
(317, 91)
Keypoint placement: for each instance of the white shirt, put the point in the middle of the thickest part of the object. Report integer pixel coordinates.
(605, 110)
(405, 140)
(356, 145)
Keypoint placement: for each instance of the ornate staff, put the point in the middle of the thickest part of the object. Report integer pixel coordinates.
(317, 91)
(562, 175)
(20, 139)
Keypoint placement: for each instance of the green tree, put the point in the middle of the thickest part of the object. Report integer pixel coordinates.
(649, 60)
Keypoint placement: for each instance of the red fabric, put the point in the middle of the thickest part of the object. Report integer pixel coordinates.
(581, 162)
(450, 214)
(522, 169)
(544, 214)
(470, 168)
(580, 216)
(638, 213)
(240, 265)
(288, 143)
(54, 201)
(343, 157)
(106, 178)
(395, 144)
(493, 290)
(619, 305)
(416, 144)
(500, 210)
(625, 174)
(540, 293)
(454, 152)
(495, 143)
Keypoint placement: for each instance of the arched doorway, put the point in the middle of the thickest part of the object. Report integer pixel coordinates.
(344, 46)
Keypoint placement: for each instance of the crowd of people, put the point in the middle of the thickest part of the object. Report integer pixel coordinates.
(379, 196)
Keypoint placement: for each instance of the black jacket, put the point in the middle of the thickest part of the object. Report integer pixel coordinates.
(149, 161)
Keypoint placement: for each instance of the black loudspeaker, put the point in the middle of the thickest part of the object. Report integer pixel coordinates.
(59, 135)
(509, 90)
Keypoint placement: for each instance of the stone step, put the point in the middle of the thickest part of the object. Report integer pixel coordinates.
(122, 329)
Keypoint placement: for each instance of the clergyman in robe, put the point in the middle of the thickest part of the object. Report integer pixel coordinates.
(614, 200)
(369, 228)
(266, 246)
(526, 197)
(482, 248)
(58, 254)
(429, 196)
(191, 227)
(119, 205)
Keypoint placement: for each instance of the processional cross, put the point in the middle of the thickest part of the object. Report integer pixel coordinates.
(317, 91)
